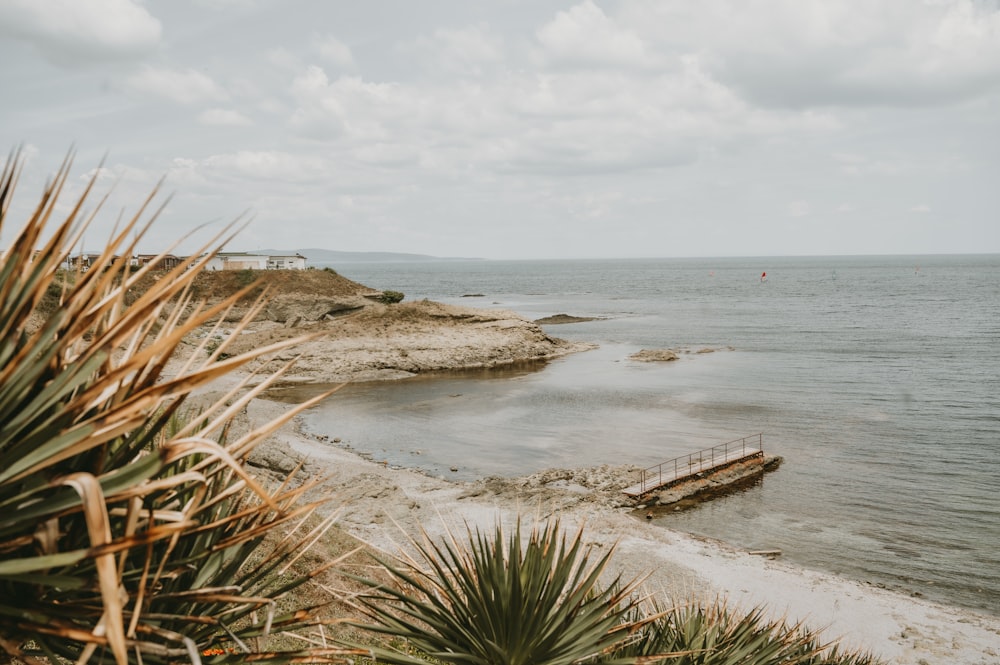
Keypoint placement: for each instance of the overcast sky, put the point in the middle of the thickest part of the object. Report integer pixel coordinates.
(523, 128)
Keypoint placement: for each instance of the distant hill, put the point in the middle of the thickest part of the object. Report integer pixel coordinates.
(322, 256)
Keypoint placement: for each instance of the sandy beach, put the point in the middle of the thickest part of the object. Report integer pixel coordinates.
(384, 506)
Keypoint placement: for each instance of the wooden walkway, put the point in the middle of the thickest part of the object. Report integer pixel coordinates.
(687, 466)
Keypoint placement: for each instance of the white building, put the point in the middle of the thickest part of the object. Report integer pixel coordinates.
(286, 262)
(221, 261)
(238, 261)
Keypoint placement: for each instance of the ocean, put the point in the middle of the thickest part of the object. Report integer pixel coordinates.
(876, 378)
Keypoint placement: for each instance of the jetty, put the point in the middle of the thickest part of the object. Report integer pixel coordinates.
(681, 468)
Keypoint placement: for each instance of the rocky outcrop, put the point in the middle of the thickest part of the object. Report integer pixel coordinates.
(667, 355)
(295, 310)
(654, 355)
(557, 488)
(564, 318)
(377, 341)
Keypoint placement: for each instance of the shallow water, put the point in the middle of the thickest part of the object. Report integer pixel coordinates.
(877, 378)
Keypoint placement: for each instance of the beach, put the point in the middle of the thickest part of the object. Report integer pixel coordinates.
(384, 506)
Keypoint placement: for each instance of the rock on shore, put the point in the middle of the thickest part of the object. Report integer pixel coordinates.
(557, 319)
(369, 340)
(668, 355)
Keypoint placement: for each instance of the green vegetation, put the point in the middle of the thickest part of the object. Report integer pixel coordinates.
(130, 532)
(495, 601)
(508, 600)
(212, 348)
(391, 297)
(123, 538)
(710, 634)
(246, 277)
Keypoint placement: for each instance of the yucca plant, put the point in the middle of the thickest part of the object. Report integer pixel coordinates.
(697, 633)
(500, 600)
(121, 537)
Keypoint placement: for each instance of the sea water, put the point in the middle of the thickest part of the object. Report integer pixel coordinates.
(876, 378)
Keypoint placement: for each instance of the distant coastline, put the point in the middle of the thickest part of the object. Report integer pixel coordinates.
(323, 257)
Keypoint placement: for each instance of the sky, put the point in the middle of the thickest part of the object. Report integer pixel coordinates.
(518, 129)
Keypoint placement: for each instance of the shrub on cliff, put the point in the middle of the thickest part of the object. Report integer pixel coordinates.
(391, 297)
(124, 531)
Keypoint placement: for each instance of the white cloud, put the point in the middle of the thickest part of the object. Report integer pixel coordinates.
(348, 107)
(592, 205)
(475, 44)
(662, 120)
(799, 208)
(283, 58)
(583, 120)
(920, 209)
(225, 4)
(99, 173)
(467, 51)
(224, 117)
(184, 172)
(269, 165)
(69, 32)
(852, 164)
(336, 52)
(388, 154)
(585, 35)
(847, 53)
(186, 86)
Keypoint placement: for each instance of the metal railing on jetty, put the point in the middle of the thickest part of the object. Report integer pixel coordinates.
(692, 464)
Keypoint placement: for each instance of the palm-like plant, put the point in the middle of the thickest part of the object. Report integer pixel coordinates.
(711, 634)
(503, 600)
(508, 600)
(117, 534)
